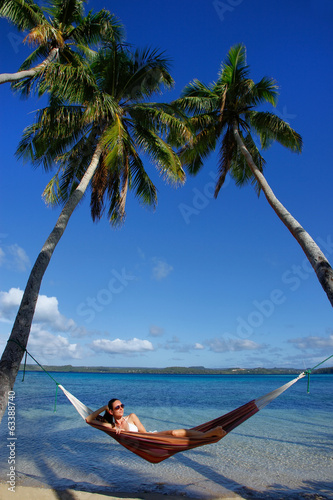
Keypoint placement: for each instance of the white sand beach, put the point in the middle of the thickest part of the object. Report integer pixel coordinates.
(29, 493)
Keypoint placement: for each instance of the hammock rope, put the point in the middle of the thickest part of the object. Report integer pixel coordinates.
(308, 371)
(35, 360)
(155, 447)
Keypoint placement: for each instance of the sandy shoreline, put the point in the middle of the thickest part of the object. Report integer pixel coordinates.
(31, 493)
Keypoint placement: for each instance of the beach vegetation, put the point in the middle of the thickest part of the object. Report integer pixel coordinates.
(172, 370)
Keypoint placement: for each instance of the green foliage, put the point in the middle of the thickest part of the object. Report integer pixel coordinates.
(216, 108)
(61, 25)
(104, 101)
(23, 14)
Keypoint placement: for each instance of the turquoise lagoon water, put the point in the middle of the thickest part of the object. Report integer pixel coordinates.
(284, 451)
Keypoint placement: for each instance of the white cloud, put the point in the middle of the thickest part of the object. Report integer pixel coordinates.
(175, 345)
(198, 346)
(47, 310)
(47, 319)
(161, 269)
(119, 346)
(48, 345)
(47, 314)
(9, 302)
(231, 345)
(313, 342)
(14, 257)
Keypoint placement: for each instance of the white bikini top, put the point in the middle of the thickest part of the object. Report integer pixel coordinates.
(132, 427)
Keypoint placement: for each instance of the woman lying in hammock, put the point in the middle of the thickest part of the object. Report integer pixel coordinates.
(114, 417)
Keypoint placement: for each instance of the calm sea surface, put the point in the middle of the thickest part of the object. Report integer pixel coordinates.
(284, 451)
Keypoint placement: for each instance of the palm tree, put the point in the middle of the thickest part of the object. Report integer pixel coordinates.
(224, 117)
(97, 124)
(60, 32)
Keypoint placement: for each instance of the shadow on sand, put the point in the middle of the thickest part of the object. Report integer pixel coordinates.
(141, 483)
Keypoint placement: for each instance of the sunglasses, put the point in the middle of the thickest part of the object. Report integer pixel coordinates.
(119, 406)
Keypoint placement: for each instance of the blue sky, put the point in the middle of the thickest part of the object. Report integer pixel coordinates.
(218, 283)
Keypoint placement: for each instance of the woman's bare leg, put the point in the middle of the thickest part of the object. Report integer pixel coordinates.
(217, 431)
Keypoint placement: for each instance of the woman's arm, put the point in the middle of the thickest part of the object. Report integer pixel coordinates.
(135, 420)
(90, 418)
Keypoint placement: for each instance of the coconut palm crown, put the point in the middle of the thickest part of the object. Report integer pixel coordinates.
(106, 107)
(216, 108)
(59, 30)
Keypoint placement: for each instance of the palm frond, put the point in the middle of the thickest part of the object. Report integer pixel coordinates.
(141, 184)
(166, 119)
(227, 152)
(24, 14)
(270, 128)
(99, 186)
(234, 68)
(102, 108)
(56, 130)
(197, 89)
(44, 34)
(75, 162)
(114, 141)
(48, 77)
(240, 170)
(66, 12)
(73, 84)
(111, 70)
(265, 91)
(51, 191)
(98, 27)
(49, 74)
(197, 98)
(116, 217)
(192, 156)
(109, 182)
(163, 156)
(149, 72)
(25, 86)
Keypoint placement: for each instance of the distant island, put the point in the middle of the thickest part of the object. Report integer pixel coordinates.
(175, 370)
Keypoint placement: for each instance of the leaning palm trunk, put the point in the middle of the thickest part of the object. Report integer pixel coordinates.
(29, 73)
(14, 351)
(315, 256)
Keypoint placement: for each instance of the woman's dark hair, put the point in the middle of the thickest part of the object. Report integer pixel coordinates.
(109, 418)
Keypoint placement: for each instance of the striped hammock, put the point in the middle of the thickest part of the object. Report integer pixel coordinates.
(155, 447)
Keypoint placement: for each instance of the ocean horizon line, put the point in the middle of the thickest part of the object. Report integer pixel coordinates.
(176, 370)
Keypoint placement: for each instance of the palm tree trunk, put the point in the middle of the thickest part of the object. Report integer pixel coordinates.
(28, 73)
(315, 256)
(14, 350)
